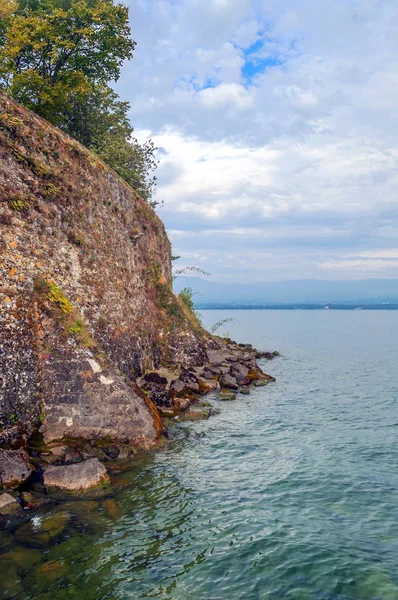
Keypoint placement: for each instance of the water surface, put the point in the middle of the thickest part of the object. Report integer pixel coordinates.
(291, 492)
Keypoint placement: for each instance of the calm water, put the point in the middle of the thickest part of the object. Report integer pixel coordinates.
(290, 493)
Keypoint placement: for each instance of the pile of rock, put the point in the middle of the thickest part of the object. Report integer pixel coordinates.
(230, 369)
(61, 468)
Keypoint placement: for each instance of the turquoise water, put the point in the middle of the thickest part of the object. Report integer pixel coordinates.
(291, 492)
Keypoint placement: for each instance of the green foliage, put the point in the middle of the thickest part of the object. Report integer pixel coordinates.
(54, 50)
(101, 123)
(50, 191)
(20, 203)
(57, 58)
(186, 295)
(55, 294)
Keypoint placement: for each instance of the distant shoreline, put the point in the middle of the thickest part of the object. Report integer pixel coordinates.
(218, 306)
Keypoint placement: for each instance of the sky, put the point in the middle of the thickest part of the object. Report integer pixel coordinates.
(277, 128)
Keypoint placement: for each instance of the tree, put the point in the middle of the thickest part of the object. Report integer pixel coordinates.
(57, 58)
(55, 51)
(101, 123)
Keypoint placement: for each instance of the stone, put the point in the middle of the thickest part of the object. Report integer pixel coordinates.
(50, 571)
(178, 388)
(201, 414)
(245, 391)
(154, 377)
(182, 403)
(239, 372)
(24, 557)
(8, 505)
(14, 467)
(113, 510)
(40, 530)
(11, 587)
(13, 438)
(208, 385)
(227, 381)
(61, 454)
(227, 395)
(85, 476)
(80, 507)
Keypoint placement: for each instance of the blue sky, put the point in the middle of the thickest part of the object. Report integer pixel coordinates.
(278, 124)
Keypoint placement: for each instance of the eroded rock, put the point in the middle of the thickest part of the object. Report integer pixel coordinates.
(14, 467)
(87, 476)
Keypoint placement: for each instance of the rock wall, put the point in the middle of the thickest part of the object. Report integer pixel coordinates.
(86, 305)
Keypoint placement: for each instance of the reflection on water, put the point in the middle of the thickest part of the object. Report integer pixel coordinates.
(291, 492)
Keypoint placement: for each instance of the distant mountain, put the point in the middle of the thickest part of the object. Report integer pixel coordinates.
(301, 291)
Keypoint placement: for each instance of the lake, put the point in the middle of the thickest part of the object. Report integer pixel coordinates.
(291, 492)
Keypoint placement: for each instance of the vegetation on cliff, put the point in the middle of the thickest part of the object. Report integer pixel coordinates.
(57, 57)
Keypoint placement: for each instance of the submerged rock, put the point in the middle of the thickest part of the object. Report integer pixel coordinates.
(82, 477)
(24, 557)
(41, 530)
(14, 467)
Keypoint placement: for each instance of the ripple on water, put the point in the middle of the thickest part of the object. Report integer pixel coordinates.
(290, 493)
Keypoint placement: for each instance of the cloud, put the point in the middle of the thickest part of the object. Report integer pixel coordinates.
(277, 122)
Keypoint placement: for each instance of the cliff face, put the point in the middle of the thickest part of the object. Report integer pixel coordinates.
(85, 291)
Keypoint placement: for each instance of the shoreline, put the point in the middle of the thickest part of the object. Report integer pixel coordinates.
(78, 469)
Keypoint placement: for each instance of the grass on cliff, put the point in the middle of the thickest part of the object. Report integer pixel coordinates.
(62, 308)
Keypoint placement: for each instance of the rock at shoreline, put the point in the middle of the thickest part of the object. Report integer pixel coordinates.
(8, 504)
(87, 476)
(61, 454)
(227, 381)
(227, 394)
(14, 467)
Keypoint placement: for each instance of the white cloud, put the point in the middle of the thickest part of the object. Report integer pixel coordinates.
(279, 121)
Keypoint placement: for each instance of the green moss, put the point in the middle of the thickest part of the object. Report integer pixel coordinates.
(79, 330)
(10, 123)
(56, 295)
(20, 203)
(35, 165)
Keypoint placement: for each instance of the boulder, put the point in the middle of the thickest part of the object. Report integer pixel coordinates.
(208, 385)
(8, 504)
(178, 389)
(40, 531)
(86, 476)
(182, 404)
(239, 372)
(14, 467)
(190, 379)
(228, 381)
(227, 394)
(245, 390)
(200, 414)
(156, 387)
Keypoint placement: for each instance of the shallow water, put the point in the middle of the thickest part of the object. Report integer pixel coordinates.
(291, 492)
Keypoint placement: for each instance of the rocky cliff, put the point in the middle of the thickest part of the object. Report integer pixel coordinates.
(86, 305)
(96, 352)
